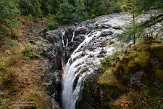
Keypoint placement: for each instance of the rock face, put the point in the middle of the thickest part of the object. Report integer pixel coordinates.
(132, 80)
(58, 47)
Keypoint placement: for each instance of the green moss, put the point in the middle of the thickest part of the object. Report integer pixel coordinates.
(107, 62)
(135, 59)
(109, 78)
(53, 25)
(3, 66)
(131, 54)
(141, 47)
(131, 64)
(125, 68)
(157, 50)
(159, 74)
(142, 59)
(124, 75)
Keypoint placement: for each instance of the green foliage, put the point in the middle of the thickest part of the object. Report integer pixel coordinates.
(12, 43)
(107, 62)
(25, 7)
(161, 106)
(30, 7)
(69, 13)
(30, 50)
(3, 66)
(9, 13)
(53, 25)
(8, 17)
(6, 73)
(100, 7)
(136, 7)
(38, 8)
(74, 11)
(136, 29)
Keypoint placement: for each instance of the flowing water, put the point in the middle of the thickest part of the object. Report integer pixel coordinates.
(101, 39)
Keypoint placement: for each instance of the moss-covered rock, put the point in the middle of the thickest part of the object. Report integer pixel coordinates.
(157, 50)
(109, 79)
(142, 59)
(159, 75)
(133, 80)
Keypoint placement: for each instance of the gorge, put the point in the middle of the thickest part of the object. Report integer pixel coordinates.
(77, 51)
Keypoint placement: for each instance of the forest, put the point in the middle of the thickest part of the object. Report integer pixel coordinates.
(57, 12)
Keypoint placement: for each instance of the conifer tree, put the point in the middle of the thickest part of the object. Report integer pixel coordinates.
(9, 14)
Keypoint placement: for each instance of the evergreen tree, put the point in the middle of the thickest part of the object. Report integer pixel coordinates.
(37, 8)
(8, 16)
(67, 13)
(26, 7)
(136, 7)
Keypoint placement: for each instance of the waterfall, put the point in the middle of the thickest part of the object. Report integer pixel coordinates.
(100, 40)
(85, 59)
(74, 70)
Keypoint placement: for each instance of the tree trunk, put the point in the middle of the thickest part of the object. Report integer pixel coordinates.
(134, 35)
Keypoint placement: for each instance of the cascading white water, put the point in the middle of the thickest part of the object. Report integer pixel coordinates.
(74, 69)
(86, 58)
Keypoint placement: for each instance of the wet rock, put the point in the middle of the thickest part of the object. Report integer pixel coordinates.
(52, 38)
(101, 26)
(117, 27)
(111, 42)
(102, 53)
(82, 30)
(106, 33)
(137, 79)
(105, 26)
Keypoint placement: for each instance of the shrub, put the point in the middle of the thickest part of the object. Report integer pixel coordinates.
(53, 25)
(8, 17)
(3, 66)
(67, 13)
(130, 30)
(30, 51)
(13, 43)
(6, 73)
(38, 99)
